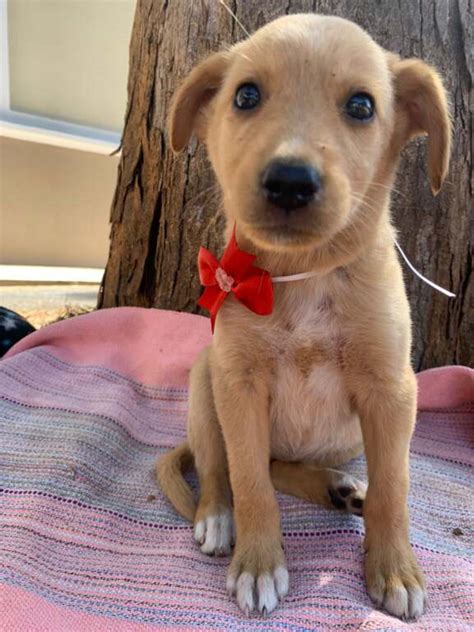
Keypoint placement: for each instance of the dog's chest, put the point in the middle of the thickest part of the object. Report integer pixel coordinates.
(310, 409)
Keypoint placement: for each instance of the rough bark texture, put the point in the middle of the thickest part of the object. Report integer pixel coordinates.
(165, 206)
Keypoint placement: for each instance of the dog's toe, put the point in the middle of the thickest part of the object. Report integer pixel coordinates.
(395, 582)
(403, 601)
(215, 533)
(262, 592)
(258, 576)
(348, 493)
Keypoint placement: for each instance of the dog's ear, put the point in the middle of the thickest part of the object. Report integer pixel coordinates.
(422, 108)
(188, 107)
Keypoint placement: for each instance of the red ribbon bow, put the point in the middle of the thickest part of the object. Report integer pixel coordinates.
(234, 273)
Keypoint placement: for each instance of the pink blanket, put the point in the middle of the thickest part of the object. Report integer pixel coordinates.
(89, 543)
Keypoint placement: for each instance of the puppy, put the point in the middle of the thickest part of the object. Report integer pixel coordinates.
(304, 123)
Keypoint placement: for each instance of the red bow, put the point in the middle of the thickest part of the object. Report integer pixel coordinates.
(234, 273)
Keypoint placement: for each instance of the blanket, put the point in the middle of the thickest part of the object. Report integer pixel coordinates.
(88, 542)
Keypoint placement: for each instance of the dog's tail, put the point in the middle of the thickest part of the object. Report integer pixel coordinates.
(169, 472)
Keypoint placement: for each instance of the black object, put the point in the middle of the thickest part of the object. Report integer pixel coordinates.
(290, 185)
(13, 328)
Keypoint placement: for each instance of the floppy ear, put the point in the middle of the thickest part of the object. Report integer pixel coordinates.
(188, 106)
(422, 108)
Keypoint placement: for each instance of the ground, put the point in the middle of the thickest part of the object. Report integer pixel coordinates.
(43, 304)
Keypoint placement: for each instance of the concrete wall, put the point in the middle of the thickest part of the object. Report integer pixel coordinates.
(54, 205)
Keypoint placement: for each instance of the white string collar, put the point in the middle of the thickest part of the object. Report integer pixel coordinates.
(308, 275)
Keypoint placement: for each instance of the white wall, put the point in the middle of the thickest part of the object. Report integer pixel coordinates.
(69, 59)
(54, 205)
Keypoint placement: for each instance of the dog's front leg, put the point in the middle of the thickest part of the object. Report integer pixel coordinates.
(387, 410)
(257, 574)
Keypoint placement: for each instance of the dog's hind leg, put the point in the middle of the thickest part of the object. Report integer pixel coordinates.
(213, 522)
(320, 485)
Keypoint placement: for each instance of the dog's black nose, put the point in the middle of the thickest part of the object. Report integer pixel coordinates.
(290, 184)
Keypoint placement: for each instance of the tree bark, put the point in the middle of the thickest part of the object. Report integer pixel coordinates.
(165, 207)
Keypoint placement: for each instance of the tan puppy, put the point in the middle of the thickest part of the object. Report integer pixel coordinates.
(304, 123)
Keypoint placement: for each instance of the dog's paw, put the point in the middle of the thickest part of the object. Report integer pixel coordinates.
(347, 493)
(258, 578)
(395, 581)
(215, 533)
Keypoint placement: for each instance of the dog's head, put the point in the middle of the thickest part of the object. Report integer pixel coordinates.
(304, 123)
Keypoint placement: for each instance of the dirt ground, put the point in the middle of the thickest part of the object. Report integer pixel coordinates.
(43, 304)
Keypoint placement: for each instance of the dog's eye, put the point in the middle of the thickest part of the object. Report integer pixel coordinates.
(360, 106)
(247, 96)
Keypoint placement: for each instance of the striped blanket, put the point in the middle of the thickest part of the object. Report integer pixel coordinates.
(87, 542)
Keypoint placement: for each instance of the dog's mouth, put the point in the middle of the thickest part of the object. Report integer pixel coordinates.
(277, 225)
(273, 235)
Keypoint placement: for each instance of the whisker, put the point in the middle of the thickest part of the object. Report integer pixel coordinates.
(362, 201)
(382, 186)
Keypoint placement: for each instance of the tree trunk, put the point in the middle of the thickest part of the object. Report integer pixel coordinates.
(165, 206)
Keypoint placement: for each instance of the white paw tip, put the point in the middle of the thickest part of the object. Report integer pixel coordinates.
(267, 596)
(417, 598)
(200, 531)
(245, 589)
(361, 485)
(396, 601)
(347, 481)
(214, 534)
(231, 584)
(357, 485)
(282, 581)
